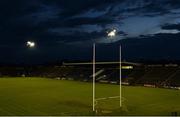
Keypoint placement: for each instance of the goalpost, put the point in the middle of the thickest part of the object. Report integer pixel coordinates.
(94, 72)
(94, 79)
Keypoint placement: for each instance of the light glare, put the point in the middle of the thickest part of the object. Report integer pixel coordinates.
(30, 44)
(112, 33)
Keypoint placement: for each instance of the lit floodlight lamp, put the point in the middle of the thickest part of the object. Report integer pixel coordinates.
(112, 33)
(30, 44)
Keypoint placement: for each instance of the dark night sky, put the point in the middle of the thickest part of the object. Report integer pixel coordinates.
(66, 29)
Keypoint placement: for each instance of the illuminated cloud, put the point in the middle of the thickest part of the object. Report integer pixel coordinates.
(141, 25)
(174, 31)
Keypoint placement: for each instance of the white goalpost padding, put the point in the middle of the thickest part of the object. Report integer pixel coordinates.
(94, 79)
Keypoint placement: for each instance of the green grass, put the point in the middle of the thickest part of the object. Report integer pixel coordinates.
(38, 96)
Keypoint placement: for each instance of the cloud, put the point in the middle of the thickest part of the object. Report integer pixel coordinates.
(134, 18)
(142, 25)
(74, 30)
(59, 25)
(69, 21)
(171, 26)
(174, 31)
(93, 13)
(44, 13)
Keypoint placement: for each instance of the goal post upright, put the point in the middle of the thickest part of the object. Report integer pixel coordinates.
(120, 77)
(94, 77)
(94, 70)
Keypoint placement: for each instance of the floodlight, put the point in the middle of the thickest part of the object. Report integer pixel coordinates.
(30, 44)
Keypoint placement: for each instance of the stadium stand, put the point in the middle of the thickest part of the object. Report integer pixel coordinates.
(174, 80)
(155, 75)
(135, 74)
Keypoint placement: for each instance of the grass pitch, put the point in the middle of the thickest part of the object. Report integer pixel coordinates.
(40, 96)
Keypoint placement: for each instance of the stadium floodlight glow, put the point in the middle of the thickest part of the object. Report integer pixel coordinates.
(30, 44)
(112, 33)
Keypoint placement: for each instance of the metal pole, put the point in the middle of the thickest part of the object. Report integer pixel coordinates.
(94, 70)
(120, 76)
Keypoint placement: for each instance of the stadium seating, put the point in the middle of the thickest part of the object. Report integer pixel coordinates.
(156, 75)
(162, 75)
(174, 80)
